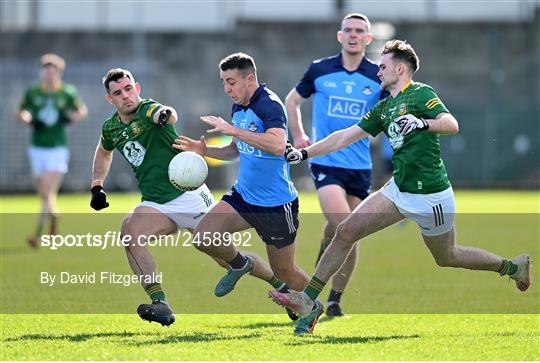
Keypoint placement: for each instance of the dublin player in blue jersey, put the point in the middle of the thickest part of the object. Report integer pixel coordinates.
(263, 196)
(344, 88)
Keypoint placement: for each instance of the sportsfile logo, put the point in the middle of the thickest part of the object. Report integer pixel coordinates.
(346, 107)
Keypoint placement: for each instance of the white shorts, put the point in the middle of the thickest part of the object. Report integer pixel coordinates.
(186, 210)
(44, 159)
(434, 213)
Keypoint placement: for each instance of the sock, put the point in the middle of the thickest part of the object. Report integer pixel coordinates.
(284, 289)
(335, 296)
(155, 292)
(39, 229)
(238, 262)
(277, 284)
(507, 268)
(314, 288)
(53, 229)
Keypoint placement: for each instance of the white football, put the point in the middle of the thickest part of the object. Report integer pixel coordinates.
(187, 171)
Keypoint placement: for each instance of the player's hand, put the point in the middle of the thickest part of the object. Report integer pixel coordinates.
(301, 141)
(218, 124)
(294, 155)
(186, 144)
(409, 123)
(99, 198)
(163, 118)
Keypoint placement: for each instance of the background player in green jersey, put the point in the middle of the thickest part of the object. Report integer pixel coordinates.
(412, 117)
(48, 107)
(142, 130)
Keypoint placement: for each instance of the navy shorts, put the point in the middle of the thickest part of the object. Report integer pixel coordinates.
(275, 225)
(355, 182)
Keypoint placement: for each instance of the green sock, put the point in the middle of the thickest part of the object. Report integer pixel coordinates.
(314, 288)
(39, 229)
(507, 268)
(155, 292)
(276, 283)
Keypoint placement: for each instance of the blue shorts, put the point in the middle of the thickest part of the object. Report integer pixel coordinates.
(355, 182)
(275, 225)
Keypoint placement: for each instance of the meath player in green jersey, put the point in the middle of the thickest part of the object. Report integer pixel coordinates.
(142, 130)
(48, 107)
(412, 117)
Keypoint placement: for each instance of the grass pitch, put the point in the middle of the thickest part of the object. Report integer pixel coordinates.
(402, 307)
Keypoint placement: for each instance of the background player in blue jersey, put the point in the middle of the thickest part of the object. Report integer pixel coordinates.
(263, 196)
(345, 87)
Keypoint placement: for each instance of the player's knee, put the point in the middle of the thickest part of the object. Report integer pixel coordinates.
(345, 234)
(330, 229)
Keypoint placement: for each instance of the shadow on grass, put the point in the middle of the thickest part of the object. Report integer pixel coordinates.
(73, 338)
(314, 339)
(265, 324)
(195, 338)
(15, 250)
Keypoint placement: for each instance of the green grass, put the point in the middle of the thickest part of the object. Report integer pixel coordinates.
(268, 337)
(402, 306)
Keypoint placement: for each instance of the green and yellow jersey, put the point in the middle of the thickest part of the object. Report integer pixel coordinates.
(148, 149)
(418, 167)
(51, 109)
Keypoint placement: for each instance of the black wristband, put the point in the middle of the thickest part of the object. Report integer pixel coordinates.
(304, 154)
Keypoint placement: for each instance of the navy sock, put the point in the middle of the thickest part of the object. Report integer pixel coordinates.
(335, 296)
(238, 262)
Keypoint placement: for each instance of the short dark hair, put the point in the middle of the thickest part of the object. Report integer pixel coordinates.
(51, 59)
(115, 74)
(358, 16)
(241, 61)
(402, 52)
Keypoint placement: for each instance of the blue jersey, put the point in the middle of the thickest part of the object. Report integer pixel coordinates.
(341, 99)
(263, 179)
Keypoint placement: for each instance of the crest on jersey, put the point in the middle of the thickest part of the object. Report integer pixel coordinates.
(252, 127)
(134, 152)
(367, 90)
(402, 109)
(49, 114)
(135, 128)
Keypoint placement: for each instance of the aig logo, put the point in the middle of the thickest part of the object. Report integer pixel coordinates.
(346, 107)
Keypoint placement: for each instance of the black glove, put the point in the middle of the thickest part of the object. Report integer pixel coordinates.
(409, 123)
(37, 124)
(294, 155)
(164, 117)
(99, 198)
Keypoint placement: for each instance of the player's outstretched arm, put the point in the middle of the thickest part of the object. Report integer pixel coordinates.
(293, 102)
(228, 152)
(100, 170)
(272, 141)
(336, 141)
